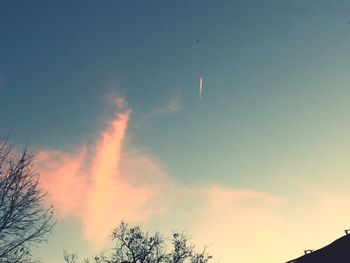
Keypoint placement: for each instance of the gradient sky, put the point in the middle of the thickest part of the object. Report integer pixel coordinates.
(107, 93)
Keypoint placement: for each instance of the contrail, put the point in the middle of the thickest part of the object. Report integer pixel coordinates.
(200, 87)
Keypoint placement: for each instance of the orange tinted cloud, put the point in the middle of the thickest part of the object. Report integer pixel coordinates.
(111, 197)
(113, 181)
(63, 177)
(251, 226)
(91, 185)
(236, 222)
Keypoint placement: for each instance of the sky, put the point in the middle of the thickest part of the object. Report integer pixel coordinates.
(106, 95)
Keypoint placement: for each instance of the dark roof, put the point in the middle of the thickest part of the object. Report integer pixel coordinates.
(336, 252)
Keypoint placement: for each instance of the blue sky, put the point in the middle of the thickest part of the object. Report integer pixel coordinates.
(275, 100)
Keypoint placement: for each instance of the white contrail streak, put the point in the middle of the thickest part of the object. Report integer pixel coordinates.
(200, 87)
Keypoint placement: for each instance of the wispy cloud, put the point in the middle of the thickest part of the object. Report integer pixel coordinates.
(90, 185)
(64, 178)
(171, 106)
(115, 180)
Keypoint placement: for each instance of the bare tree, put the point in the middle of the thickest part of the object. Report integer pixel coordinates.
(135, 246)
(24, 221)
(70, 257)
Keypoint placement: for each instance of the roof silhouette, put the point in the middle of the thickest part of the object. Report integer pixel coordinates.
(336, 252)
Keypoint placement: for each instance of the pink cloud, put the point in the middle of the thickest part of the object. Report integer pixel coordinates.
(110, 193)
(114, 180)
(63, 177)
(100, 194)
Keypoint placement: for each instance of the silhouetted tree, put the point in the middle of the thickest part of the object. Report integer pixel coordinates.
(24, 221)
(70, 257)
(132, 245)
